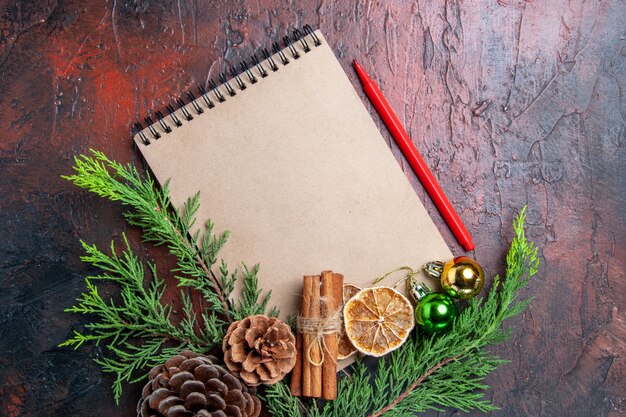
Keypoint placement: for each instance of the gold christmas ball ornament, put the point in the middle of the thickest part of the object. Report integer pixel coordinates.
(461, 277)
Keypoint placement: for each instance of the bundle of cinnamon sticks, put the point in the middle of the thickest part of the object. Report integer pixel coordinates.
(319, 324)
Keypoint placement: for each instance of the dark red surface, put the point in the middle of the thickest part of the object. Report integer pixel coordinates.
(510, 102)
(415, 160)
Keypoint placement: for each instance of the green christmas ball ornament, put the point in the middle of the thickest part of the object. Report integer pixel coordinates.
(434, 312)
(461, 277)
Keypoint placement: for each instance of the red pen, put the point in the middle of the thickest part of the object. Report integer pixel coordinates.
(407, 147)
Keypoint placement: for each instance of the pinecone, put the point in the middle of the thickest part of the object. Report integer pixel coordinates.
(192, 385)
(259, 349)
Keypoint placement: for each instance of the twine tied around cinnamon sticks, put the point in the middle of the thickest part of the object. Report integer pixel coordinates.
(318, 328)
(319, 325)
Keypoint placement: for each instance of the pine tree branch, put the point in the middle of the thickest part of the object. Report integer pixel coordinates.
(152, 211)
(137, 329)
(208, 272)
(250, 302)
(167, 337)
(414, 385)
(522, 264)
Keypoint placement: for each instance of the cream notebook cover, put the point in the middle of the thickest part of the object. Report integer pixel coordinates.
(296, 169)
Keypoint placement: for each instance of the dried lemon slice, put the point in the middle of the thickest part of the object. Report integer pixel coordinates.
(346, 348)
(378, 320)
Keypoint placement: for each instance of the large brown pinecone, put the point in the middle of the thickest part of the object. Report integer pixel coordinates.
(259, 349)
(192, 385)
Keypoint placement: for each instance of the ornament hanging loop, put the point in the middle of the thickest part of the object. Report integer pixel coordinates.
(409, 276)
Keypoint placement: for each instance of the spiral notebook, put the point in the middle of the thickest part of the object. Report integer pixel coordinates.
(286, 156)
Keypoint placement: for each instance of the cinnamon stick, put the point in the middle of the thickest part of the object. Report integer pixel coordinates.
(311, 375)
(316, 350)
(332, 292)
(296, 375)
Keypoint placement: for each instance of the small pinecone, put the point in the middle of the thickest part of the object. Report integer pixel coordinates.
(192, 385)
(259, 349)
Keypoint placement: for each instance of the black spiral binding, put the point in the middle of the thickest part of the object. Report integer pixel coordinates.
(228, 87)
